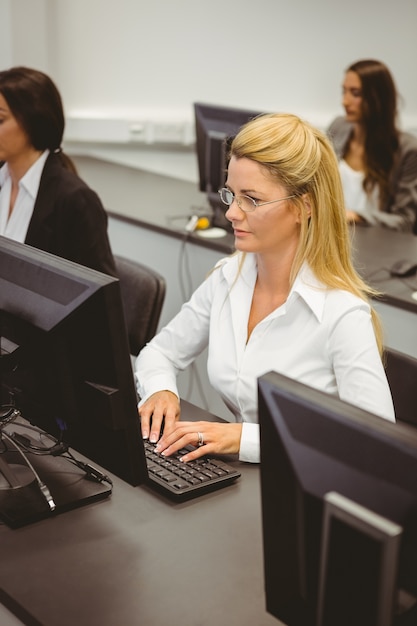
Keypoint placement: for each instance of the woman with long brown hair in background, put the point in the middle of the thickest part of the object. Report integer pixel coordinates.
(378, 162)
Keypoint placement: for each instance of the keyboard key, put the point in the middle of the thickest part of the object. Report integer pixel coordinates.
(187, 478)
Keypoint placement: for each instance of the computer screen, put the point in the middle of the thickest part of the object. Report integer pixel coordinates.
(215, 127)
(65, 362)
(314, 445)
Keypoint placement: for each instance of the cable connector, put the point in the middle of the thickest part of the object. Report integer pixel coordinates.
(47, 495)
(92, 473)
(59, 449)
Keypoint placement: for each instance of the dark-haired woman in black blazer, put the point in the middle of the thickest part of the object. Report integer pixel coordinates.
(43, 202)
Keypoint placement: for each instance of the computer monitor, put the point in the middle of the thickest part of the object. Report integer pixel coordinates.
(339, 509)
(65, 361)
(215, 127)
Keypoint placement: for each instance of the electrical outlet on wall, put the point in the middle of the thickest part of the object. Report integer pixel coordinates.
(143, 131)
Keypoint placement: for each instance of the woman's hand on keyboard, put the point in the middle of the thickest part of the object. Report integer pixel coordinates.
(208, 437)
(161, 409)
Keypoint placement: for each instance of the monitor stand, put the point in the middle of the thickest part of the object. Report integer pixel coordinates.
(13, 476)
(22, 501)
(358, 566)
(20, 497)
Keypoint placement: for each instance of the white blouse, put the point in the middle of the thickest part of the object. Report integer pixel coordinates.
(356, 199)
(319, 336)
(16, 226)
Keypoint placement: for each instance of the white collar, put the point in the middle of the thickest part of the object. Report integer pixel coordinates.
(311, 290)
(30, 181)
(306, 285)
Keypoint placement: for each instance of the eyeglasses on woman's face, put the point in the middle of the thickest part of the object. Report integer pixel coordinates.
(245, 203)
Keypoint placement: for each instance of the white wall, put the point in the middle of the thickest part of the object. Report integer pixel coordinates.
(24, 36)
(5, 33)
(132, 59)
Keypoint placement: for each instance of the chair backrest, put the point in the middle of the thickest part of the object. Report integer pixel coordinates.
(143, 294)
(401, 370)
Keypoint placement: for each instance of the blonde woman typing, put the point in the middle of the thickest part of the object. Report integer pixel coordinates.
(288, 300)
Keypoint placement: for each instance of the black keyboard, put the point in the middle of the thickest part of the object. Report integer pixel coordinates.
(181, 480)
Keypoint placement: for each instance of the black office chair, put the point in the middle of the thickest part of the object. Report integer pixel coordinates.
(401, 370)
(143, 294)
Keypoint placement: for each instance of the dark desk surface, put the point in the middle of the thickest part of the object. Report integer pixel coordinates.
(139, 559)
(375, 250)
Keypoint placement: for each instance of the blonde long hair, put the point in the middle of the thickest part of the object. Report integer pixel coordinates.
(301, 158)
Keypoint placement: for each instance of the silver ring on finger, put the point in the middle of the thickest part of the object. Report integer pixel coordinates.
(200, 441)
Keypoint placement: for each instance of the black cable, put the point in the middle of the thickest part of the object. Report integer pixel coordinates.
(92, 473)
(43, 488)
(183, 265)
(59, 448)
(186, 292)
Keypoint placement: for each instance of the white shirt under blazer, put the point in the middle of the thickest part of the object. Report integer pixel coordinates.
(319, 336)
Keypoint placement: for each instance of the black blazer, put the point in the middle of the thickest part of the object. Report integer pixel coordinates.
(69, 219)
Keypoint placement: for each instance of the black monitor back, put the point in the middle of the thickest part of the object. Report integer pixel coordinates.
(215, 127)
(65, 359)
(312, 444)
